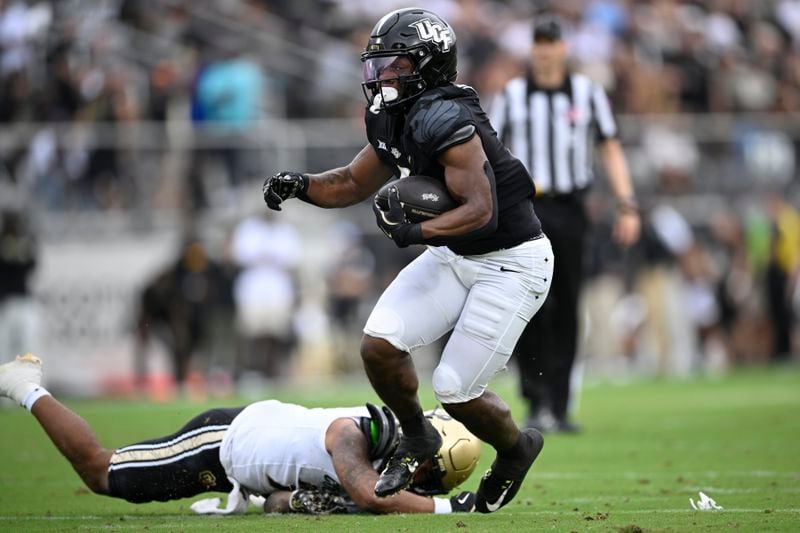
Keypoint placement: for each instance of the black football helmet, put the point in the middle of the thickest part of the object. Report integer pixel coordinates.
(409, 51)
(382, 431)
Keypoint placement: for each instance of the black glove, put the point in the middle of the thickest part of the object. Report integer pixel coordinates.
(282, 186)
(463, 502)
(317, 501)
(394, 224)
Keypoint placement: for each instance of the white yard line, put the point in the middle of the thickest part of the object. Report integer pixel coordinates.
(665, 473)
(121, 523)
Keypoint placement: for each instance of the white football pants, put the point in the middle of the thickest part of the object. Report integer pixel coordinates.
(487, 300)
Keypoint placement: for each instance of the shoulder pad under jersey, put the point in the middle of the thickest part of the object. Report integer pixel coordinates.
(439, 123)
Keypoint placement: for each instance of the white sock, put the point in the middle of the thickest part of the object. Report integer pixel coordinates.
(442, 506)
(32, 395)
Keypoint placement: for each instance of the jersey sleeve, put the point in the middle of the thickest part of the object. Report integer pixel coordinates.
(439, 124)
(498, 114)
(605, 120)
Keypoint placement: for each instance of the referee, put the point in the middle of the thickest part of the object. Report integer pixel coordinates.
(550, 119)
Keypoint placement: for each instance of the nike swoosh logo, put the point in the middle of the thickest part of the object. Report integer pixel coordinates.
(504, 269)
(463, 499)
(492, 507)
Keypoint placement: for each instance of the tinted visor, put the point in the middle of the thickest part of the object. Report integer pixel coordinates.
(387, 68)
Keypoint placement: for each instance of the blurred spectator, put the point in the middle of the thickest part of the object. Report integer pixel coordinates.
(21, 25)
(671, 156)
(19, 317)
(265, 293)
(178, 307)
(350, 286)
(784, 263)
(720, 55)
(667, 342)
(227, 100)
(736, 288)
(110, 99)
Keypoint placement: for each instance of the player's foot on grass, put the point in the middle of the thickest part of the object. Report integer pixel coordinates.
(20, 376)
(502, 481)
(410, 453)
(543, 420)
(568, 426)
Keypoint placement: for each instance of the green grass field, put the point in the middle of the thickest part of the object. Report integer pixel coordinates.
(646, 449)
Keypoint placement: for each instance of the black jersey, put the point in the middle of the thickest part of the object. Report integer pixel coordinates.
(441, 118)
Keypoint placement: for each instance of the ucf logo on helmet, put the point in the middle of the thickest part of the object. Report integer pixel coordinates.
(433, 31)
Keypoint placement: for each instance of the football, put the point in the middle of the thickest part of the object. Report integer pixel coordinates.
(422, 197)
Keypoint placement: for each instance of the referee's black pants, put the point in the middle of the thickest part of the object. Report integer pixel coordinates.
(546, 350)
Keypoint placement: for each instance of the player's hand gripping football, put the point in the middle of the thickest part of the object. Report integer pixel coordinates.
(393, 222)
(283, 186)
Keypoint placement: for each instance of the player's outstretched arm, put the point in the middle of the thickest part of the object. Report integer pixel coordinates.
(628, 224)
(337, 187)
(350, 456)
(76, 441)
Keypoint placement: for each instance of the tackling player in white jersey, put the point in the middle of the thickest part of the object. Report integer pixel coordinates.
(298, 459)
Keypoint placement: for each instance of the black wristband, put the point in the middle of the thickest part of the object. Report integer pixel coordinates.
(302, 193)
(415, 234)
(408, 234)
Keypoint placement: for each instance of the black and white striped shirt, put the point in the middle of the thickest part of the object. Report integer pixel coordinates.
(550, 130)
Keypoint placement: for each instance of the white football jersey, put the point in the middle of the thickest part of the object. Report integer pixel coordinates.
(273, 446)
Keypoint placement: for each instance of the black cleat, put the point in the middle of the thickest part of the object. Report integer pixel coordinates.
(410, 453)
(502, 481)
(543, 420)
(568, 426)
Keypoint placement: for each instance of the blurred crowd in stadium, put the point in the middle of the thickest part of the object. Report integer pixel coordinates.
(84, 60)
(713, 282)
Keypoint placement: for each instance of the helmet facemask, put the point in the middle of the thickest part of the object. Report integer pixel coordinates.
(391, 80)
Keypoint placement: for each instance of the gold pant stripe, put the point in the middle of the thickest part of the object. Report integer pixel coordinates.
(160, 454)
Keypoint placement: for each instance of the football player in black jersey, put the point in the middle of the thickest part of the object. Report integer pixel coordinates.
(488, 266)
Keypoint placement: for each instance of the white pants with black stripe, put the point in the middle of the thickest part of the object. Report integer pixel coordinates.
(487, 300)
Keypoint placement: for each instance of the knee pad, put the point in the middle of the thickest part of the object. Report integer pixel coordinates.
(448, 386)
